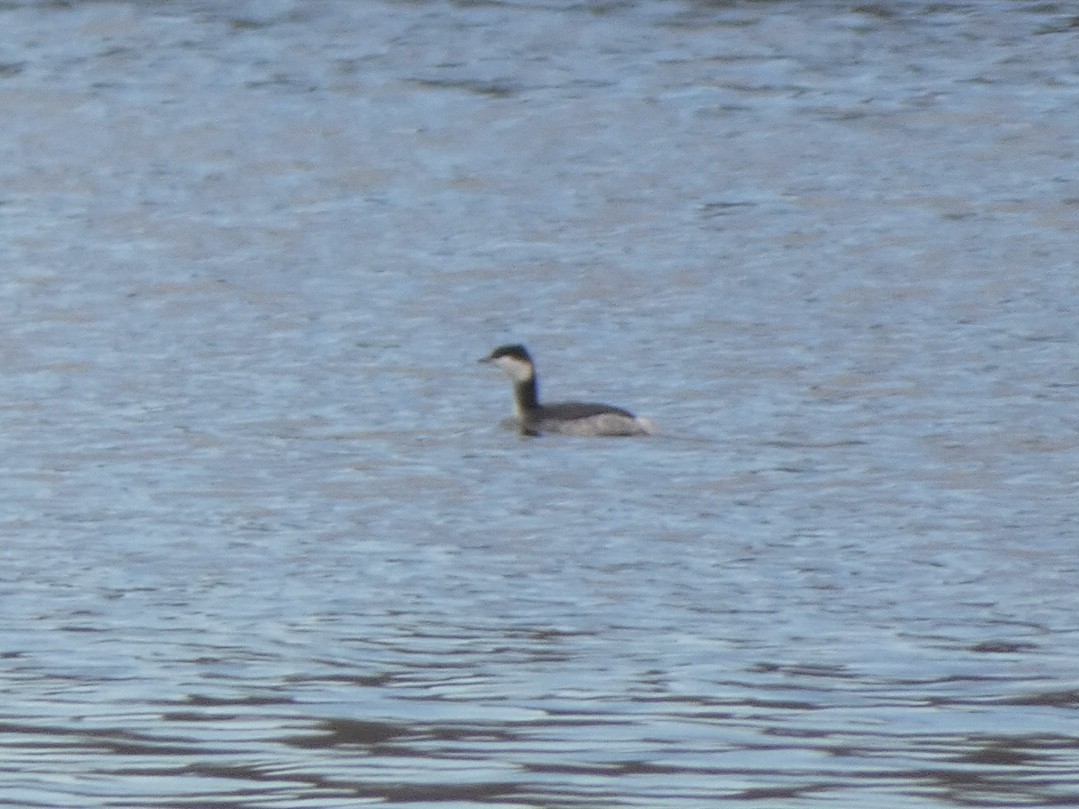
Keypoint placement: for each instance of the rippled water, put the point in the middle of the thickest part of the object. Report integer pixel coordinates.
(262, 542)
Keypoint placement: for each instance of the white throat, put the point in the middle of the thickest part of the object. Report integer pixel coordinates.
(518, 370)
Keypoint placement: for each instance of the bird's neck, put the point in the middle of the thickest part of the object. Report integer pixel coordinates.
(525, 392)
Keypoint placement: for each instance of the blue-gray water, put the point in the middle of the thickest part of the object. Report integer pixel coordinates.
(262, 542)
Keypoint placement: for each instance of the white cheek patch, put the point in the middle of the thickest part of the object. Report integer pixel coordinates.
(514, 367)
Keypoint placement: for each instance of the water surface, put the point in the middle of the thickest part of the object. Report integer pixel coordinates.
(263, 543)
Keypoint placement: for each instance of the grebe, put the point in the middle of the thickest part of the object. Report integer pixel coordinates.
(566, 418)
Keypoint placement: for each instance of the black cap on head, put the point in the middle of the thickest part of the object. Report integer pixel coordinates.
(517, 351)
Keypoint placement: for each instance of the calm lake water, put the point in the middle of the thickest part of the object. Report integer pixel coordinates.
(263, 542)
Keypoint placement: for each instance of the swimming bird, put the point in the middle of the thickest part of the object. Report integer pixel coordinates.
(565, 418)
